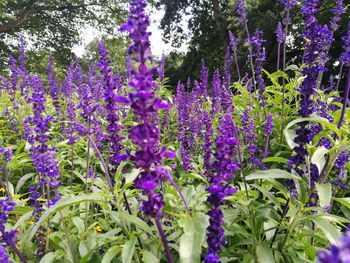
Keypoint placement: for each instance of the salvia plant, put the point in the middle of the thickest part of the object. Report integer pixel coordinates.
(108, 166)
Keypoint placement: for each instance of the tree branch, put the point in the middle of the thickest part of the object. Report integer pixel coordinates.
(33, 8)
(21, 18)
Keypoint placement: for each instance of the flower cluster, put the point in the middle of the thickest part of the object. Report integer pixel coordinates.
(111, 108)
(220, 187)
(338, 253)
(184, 134)
(4, 257)
(260, 57)
(318, 38)
(250, 137)
(241, 10)
(281, 37)
(9, 238)
(337, 11)
(345, 56)
(42, 155)
(144, 104)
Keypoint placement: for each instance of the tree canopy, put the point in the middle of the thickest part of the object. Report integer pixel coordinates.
(210, 20)
(56, 24)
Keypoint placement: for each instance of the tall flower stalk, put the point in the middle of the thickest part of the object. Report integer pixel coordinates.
(41, 153)
(8, 238)
(281, 38)
(233, 41)
(144, 104)
(243, 18)
(220, 187)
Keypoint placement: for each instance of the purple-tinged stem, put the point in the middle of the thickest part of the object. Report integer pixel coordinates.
(165, 242)
(283, 79)
(250, 54)
(15, 249)
(174, 184)
(266, 146)
(345, 102)
(278, 56)
(237, 65)
(339, 76)
(240, 159)
(105, 167)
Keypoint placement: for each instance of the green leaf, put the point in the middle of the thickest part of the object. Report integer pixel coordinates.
(128, 250)
(49, 258)
(264, 254)
(193, 237)
(325, 194)
(271, 174)
(317, 119)
(275, 160)
(318, 158)
(149, 257)
(130, 177)
(21, 210)
(79, 224)
(61, 204)
(111, 254)
(344, 201)
(22, 181)
(332, 233)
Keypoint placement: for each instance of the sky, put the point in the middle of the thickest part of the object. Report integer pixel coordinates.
(158, 45)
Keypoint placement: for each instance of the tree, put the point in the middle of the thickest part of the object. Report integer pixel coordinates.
(207, 34)
(55, 24)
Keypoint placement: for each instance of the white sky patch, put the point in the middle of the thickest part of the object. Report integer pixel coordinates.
(157, 43)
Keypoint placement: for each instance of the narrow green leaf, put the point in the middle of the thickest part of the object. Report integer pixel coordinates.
(193, 237)
(149, 257)
(275, 160)
(318, 158)
(325, 194)
(272, 174)
(111, 254)
(49, 258)
(128, 250)
(331, 232)
(61, 204)
(264, 254)
(79, 224)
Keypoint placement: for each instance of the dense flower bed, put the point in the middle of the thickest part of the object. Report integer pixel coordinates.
(105, 166)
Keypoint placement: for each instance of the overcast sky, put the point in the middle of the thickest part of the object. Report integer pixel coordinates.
(158, 45)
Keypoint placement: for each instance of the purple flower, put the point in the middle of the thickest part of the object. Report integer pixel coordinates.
(7, 237)
(260, 58)
(269, 126)
(224, 166)
(42, 155)
(287, 6)
(184, 134)
(53, 86)
(337, 11)
(4, 257)
(250, 137)
(338, 253)
(204, 80)
(345, 56)
(144, 105)
(216, 93)
(281, 37)
(111, 98)
(233, 40)
(208, 134)
(241, 10)
(316, 47)
(14, 81)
